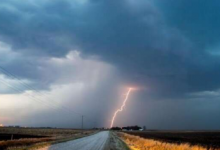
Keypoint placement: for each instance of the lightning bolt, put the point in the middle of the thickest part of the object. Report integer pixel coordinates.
(121, 109)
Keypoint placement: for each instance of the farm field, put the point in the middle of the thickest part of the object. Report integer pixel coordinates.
(205, 139)
(16, 138)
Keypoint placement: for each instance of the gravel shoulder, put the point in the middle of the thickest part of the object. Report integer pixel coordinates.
(115, 143)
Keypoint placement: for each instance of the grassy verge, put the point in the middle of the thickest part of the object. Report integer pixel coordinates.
(138, 143)
(22, 142)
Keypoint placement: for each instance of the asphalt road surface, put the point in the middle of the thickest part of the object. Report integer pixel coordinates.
(93, 142)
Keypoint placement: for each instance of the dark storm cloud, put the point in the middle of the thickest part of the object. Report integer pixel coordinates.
(198, 19)
(138, 37)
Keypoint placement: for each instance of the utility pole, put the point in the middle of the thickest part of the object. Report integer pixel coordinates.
(82, 123)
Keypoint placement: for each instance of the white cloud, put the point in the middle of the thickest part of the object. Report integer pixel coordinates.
(73, 68)
(75, 82)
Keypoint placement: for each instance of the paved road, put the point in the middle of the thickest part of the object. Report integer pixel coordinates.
(93, 142)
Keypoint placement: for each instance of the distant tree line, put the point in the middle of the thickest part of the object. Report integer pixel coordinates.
(128, 128)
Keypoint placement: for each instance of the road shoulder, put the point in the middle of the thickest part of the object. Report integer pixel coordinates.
(115, 143)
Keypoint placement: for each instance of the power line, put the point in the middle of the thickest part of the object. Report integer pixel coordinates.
(30, 87)
(31, 96)
(34, 89)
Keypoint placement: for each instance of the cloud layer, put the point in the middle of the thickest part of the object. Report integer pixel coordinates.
(167, 49)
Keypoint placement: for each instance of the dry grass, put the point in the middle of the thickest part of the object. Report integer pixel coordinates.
(38, 131)
(138, 143)
(23, 142)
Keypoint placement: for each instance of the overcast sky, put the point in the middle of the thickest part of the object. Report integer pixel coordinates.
(62, 59)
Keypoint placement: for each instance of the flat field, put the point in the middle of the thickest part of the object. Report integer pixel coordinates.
(207, 139)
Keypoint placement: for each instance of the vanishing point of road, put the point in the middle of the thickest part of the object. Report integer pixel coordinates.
(92, 142)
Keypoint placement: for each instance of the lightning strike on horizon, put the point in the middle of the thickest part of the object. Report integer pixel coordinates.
(121, 109)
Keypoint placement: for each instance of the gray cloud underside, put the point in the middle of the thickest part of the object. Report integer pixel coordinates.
(134, 37)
